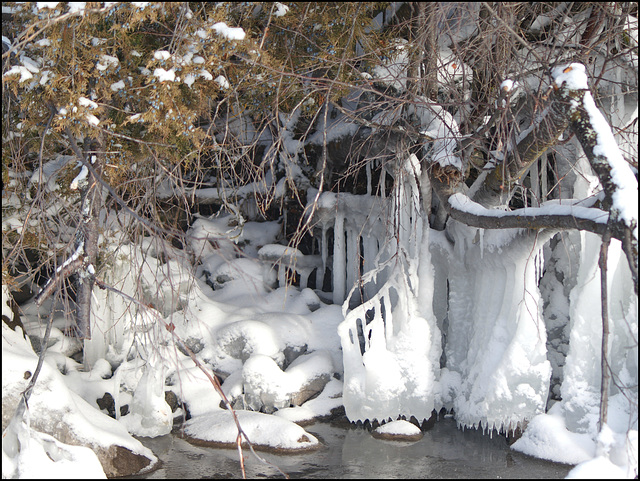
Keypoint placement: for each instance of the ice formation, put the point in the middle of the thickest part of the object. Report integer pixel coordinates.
(496, 337)
(391, 343)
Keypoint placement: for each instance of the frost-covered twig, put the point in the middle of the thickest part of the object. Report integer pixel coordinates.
(213, 379)
(69, 267)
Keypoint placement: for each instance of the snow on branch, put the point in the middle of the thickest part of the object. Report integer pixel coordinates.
(600, 147)
(599, 144)
(550, 215)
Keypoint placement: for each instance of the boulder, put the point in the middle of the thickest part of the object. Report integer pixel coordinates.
(268, 388)
(398, 431)
(217, 429)
(59, 412)
(242, 339)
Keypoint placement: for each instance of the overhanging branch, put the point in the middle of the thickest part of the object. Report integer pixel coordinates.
(558, 217)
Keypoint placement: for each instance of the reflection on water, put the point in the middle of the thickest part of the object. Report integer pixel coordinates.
(444, 452)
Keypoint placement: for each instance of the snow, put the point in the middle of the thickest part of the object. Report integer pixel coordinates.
(117, 85)
(165, 75)
(79, 178)
(463, 203)
(223, 82)
(261, 429)
(50, 5)
(230, 33)
(399, 427)
(439, 125)
(43, 456)
(107, 61)
(18, 69)
(93, 120)
(547, 437)
(625, 197)
(161, 55)
(281, 9)
(51, 402)
(85, 102)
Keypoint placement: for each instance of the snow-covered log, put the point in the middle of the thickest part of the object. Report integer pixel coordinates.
(617, 179)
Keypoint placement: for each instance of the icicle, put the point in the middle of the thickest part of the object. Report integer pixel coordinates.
(352, 259)
(481, 241)
(368, 168)
(543, 177)
(339, 260)
(534, 177)
(324, 252)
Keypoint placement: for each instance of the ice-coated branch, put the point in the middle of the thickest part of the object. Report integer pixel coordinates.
(604, 356)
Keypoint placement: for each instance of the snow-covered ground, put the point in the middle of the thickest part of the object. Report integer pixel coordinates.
(287, 355)
(266, 342)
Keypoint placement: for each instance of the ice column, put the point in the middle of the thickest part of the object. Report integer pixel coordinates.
(496, 339)
(391, 343)
(581, 385)
(339, 260)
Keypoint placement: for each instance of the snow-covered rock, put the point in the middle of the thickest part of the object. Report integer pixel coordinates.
(400, 430)
(268, 388)
(59, 417)
(266, 432)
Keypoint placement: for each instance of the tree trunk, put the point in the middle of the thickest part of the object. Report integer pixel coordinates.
(88, 237)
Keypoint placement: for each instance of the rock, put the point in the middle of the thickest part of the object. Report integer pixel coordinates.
(317, 369)
(242, 339)
(193, 343)
(119, 461)
(291, 353)
(14, 319)
(398, 431)
(106, 403)
(172, 400)
(116, 460)
(59, 412)
(267, 388)
(267, 433)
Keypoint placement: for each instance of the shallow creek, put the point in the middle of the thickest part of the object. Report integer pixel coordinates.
(350, 452)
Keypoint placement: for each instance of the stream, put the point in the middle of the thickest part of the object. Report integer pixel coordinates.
(350, 452)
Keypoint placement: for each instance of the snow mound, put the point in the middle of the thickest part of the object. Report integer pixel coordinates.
(267, 387)
(547, 437)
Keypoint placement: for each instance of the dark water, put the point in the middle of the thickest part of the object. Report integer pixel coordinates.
(444, 452)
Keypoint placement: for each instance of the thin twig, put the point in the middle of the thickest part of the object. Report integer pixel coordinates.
(604, 353)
